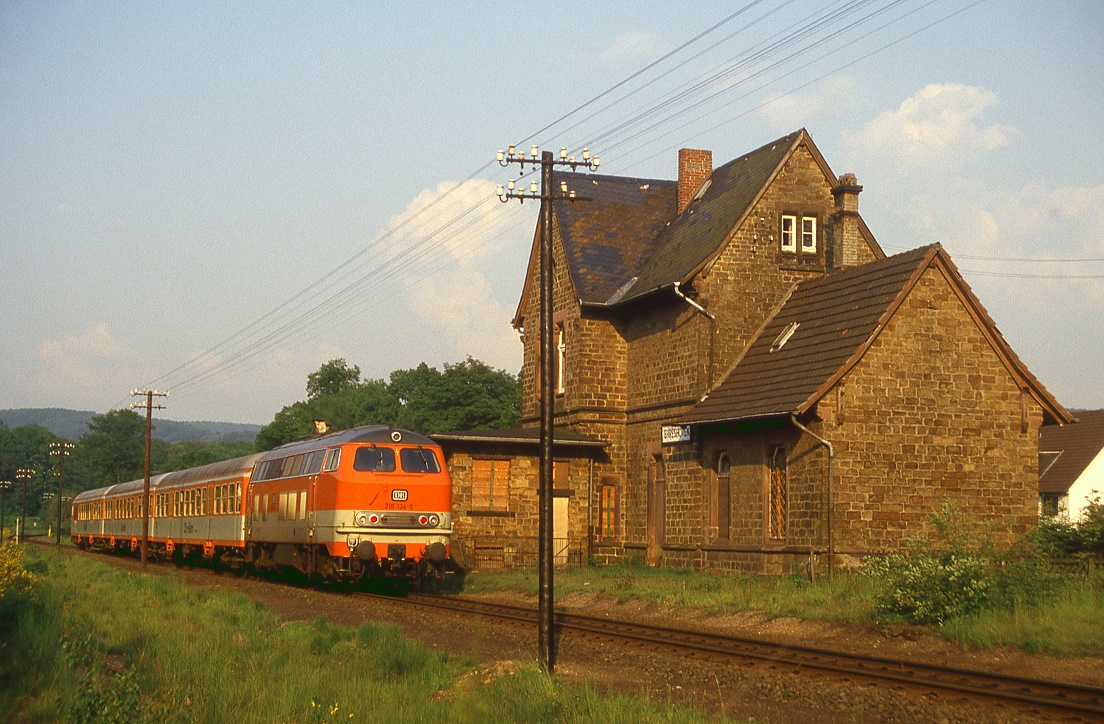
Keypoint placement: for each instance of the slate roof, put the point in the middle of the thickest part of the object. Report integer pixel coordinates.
(630, 240)
(1076, 446)
(562, 437)
(702, 228)
(837, 318)
(608, 239)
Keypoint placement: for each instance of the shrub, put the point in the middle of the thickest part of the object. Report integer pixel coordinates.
(925, 586)
(16, 585)
(961, 573)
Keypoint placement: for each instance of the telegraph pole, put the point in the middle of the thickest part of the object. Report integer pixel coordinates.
(62, 450)
(5, 486)
(23, 474)
(544, 193)
(150, 407)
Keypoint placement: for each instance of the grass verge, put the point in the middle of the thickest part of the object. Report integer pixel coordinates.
(1068, 621)
(98, 644)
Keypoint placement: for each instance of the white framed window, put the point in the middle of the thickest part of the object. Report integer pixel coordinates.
(789, 233)
(561, 358)
(808, 234)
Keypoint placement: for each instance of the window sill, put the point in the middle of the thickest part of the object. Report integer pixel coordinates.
(800, 262)
(490, 514)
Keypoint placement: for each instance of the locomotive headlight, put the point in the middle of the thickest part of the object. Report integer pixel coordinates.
(361, 518)
(373, 519)
(434, 520)
(424, 519)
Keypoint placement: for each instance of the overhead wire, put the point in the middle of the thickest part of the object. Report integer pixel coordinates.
(319, 300)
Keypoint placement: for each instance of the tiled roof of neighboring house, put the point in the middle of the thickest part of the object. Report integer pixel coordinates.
(1075, 446)
(562, 437)
(702, 228)
(822, 330)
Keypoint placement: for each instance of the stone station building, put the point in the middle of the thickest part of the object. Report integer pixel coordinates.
(744, 380)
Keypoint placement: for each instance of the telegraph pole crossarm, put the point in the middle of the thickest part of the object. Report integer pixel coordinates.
(546, 194)
(62, 450)
(23, 474)
(5, 486)
(149, 406)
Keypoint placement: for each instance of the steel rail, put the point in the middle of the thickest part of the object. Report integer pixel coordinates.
(1084, 700)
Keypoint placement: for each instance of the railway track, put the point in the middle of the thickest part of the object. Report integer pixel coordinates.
(1069, 701)
(1075, 702)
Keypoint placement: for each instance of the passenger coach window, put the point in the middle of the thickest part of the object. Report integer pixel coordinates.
(418, 460)
(374, 459)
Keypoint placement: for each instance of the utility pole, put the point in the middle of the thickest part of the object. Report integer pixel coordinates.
(545, 600)
(62, 450)
(150, 407)
(5, 486)
(23, 474)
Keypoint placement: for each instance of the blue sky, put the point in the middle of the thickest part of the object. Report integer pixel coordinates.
(216, 199)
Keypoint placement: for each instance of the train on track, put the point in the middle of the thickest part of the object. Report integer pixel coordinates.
(346, 506)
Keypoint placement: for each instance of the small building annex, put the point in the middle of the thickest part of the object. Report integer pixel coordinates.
(1071, 466)
(758, 381)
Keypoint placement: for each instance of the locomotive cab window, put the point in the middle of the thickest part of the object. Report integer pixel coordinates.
(375, 459)
(333, 458)
(418, 460)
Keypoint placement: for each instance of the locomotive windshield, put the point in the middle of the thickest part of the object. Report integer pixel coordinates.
(375, 459)
(418, 460)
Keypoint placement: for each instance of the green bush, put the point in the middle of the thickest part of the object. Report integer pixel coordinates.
(924, 586)
(961, 573)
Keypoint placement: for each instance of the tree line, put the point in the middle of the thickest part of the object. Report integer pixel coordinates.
(466, 395)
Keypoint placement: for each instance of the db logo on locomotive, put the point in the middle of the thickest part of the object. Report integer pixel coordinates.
(398, 495)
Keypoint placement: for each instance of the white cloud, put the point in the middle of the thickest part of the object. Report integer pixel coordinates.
(834, 96)
(457, 236)
(936, 129)
(91, 367)
(633, 46)
(465, 218)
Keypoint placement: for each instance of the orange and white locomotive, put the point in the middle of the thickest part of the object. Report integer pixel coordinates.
(363, 502)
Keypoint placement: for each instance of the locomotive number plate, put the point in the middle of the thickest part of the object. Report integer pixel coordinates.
(398, 495)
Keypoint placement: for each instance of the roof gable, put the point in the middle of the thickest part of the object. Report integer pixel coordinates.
(823, 330)
(627, 239)
(699, 233)
(1076, 446)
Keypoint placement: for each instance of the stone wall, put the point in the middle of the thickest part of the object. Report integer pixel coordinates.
(512, 534)
(931, 414)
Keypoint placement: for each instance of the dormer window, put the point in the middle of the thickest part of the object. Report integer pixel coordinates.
(798, 229)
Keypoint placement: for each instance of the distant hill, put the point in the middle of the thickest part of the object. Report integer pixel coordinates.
(74, 423)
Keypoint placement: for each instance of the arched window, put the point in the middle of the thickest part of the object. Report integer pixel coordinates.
(722, 496)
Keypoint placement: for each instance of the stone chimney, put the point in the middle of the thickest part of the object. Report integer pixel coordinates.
(694, 168)
(847, 244)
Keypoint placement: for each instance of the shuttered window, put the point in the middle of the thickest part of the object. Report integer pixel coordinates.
(607, 510)
(778, 498)
(490, 484)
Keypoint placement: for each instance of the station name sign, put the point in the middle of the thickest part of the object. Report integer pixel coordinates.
(672, 434)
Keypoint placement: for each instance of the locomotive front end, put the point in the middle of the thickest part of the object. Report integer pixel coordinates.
(392, 506)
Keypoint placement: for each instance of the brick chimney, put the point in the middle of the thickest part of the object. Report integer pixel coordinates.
(694, 168)
(847, 242)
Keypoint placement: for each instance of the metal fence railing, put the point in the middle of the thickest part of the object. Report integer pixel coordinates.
(519, 552)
